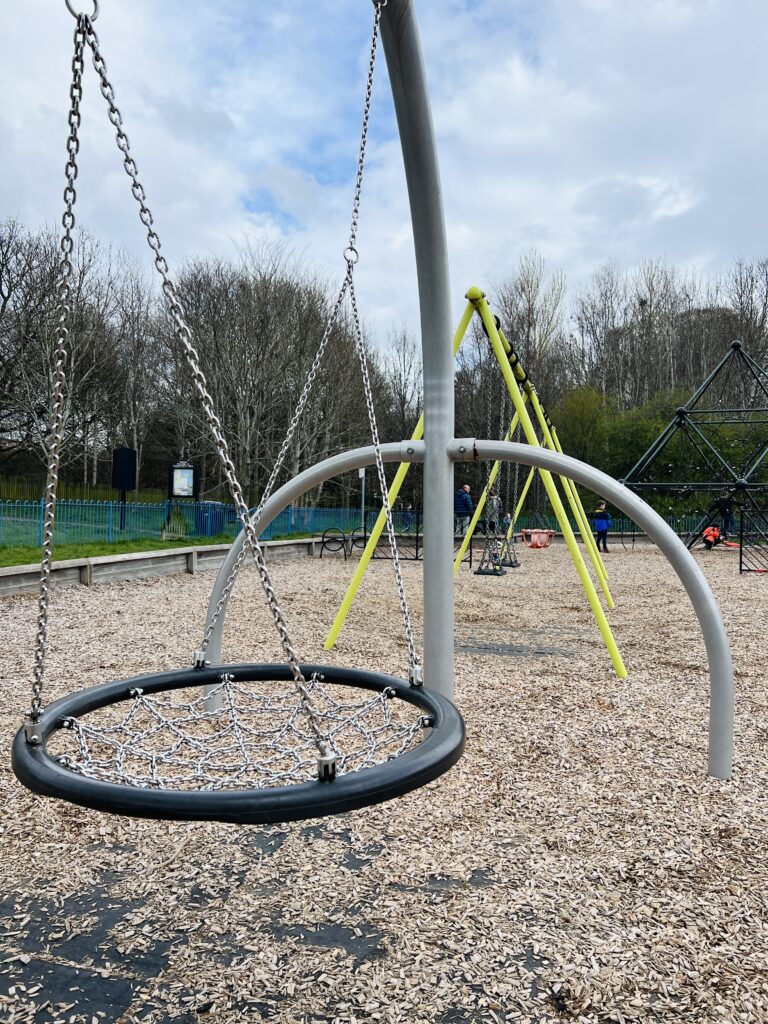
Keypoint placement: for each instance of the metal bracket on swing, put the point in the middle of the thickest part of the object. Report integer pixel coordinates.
(32, 731)
(326, 767)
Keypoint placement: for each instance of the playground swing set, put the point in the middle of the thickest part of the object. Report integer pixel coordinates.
(524, 396)
(261, 743)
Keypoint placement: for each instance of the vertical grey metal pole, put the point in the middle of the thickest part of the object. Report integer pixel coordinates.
(407, 76)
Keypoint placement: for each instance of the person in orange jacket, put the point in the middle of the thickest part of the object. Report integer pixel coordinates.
(711, 537)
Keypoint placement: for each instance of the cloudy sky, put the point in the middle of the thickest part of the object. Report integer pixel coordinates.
(587, 129)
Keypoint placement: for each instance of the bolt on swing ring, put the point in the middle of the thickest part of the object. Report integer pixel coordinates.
(79, 14)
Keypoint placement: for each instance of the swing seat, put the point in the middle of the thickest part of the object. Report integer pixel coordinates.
(537, 538)
(251, 762)
(490, 571)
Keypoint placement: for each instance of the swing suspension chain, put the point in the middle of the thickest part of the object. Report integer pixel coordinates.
(351, 257)
(351, 252)
(415, 673)
(85, 33)
(184, 336)
(504, 475)
(487, 393)
(284, 448)
(516, 487)
(55, 436)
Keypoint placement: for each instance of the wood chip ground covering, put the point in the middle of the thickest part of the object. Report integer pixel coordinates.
(577, 865)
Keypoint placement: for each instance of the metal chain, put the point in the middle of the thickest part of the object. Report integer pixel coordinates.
(516, 492)
(55, 436)
(502, 424)
(282, 454)
(85, 32)
(415, 670)
(350, 255)
(487, 392)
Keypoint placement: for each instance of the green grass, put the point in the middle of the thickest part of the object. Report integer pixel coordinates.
(63, 552)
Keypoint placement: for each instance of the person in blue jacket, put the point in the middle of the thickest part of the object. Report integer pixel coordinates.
(463, 508)
(602, 521)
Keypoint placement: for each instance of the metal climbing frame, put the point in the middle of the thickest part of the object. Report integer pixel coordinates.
(440, 449)
(753, 541)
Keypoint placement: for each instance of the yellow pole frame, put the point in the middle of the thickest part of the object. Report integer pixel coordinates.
(584, 529)
(394, 490)
(559, 449)
(477, 299)
(568, 487)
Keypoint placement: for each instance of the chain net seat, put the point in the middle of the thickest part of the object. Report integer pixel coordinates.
(242, 743)
(158, 746)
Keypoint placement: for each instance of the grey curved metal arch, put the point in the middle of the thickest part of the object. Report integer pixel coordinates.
(468, 449)
(721, 696)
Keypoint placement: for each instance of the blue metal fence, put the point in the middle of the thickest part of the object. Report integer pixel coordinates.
(83, 522)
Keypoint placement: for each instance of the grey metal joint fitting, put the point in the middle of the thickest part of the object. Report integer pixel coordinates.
(416, 675)
(32, 731)
(462, 449)
(326, 767)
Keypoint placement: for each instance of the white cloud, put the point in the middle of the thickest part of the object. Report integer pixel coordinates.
(589, 129)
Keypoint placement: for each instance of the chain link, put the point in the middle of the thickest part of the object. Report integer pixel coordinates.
(412, 655)
(56, 433)
(350, 253)
(77, 14)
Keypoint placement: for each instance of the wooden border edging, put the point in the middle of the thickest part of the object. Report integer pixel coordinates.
(24, 579)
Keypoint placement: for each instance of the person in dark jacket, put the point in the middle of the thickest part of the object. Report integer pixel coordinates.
(602, 521)
(463, 508)
(725, 504)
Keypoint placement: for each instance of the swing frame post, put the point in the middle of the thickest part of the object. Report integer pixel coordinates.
(407, 75)
(477, 298)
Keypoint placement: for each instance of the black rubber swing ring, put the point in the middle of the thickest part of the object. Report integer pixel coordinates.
(440, 750)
